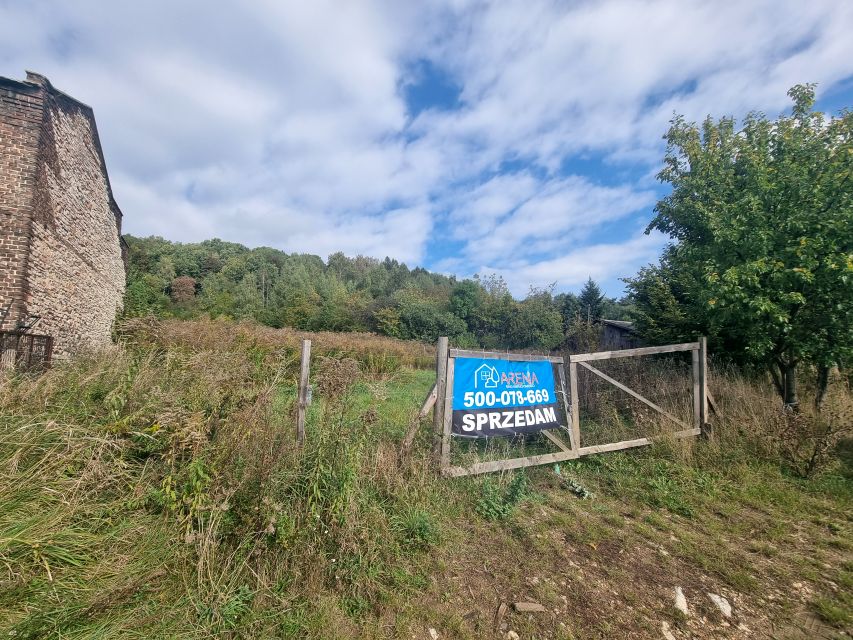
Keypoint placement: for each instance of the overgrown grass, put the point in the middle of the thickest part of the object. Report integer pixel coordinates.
(378, 355)
(155, 490)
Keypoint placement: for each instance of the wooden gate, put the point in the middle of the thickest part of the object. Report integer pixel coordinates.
(440, 398)
(699, 368)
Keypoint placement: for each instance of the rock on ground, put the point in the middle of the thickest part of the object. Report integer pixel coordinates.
(680, 600)
(722, 604)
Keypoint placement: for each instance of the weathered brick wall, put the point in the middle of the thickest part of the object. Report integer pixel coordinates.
(73, 276)
(21, 110)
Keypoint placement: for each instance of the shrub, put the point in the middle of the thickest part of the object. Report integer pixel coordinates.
(807, 441)
(499, 503)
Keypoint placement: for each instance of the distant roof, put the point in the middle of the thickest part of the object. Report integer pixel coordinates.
(621, 324)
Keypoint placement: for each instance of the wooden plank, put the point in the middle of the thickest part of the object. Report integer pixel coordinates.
(441, 392)
(428, 403)
(550, 458)
(614, 446)
(633, 393)
(576, 407)
(703, 382)
(448, 416)
(409, 438)
(302, 397)
(562, 373)
(712, 403)
(697, 396)
(555, 440)
(499, 355)
(505, 465)
(416, 422)
(627, 353)
(628, 444)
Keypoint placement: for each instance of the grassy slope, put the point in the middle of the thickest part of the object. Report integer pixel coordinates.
(154, 491)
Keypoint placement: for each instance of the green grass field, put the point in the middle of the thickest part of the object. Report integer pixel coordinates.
(155, 491)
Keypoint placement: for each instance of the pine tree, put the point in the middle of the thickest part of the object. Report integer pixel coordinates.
(591, 302)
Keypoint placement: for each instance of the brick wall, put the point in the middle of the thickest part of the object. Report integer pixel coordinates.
(21, 114)
(65, 247)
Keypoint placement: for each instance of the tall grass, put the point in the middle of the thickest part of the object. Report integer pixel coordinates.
(154, 489)
(377, 354)
(751, 422)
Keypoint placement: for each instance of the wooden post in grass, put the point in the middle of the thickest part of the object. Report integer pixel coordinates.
(428, 404)
(697, 385)
(576, 405)
(440, 392)
(302, 396)
(703, 386)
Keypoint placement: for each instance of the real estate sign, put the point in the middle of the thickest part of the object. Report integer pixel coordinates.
(503, 397)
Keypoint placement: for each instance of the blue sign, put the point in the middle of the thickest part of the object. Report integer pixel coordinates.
(503, 397)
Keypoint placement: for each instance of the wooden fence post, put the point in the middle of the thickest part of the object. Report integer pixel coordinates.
(440, 391)
(697, 384)
(703, 386)
(302, 397)
(576, 407)
(428, 404)
(447, 418)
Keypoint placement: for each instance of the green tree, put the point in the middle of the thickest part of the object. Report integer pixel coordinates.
(490, 319)
(387, 321)
(614, 309)
(464, 298)
(422, 319)
(591, 301)
(536, 322)
(217, 297)
(763, 254)
(569, 307)
(144, 295)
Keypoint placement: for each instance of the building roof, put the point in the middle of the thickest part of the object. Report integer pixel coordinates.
(622, 325)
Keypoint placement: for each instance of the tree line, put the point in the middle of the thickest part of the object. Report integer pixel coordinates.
(761, 261)
(303, 291)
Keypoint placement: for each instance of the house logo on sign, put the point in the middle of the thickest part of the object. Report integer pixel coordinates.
(486, 377)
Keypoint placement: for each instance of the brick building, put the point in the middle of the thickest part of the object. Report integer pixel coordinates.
(61, 252)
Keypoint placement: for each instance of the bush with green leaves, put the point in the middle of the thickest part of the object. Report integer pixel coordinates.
(497, 501)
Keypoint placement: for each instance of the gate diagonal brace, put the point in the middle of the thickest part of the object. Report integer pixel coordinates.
(633, 393)
(560, 444)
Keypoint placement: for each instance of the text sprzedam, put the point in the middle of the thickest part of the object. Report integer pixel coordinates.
(508, 419)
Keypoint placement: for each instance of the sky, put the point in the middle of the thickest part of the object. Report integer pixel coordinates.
(517, 138)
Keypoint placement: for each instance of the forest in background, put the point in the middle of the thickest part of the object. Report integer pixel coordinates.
(277, 289)
(760, 261)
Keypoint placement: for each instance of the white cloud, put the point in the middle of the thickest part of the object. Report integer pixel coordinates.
(261, 221)
(516, 213)
(543, 80)
(601, 262)
(286, 124)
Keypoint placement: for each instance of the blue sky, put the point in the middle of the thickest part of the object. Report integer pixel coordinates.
(520, 138)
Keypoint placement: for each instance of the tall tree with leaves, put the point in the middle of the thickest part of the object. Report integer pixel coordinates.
(591, 302)
(763, 223)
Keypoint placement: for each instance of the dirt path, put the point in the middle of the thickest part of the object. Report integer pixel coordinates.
(602, 569)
